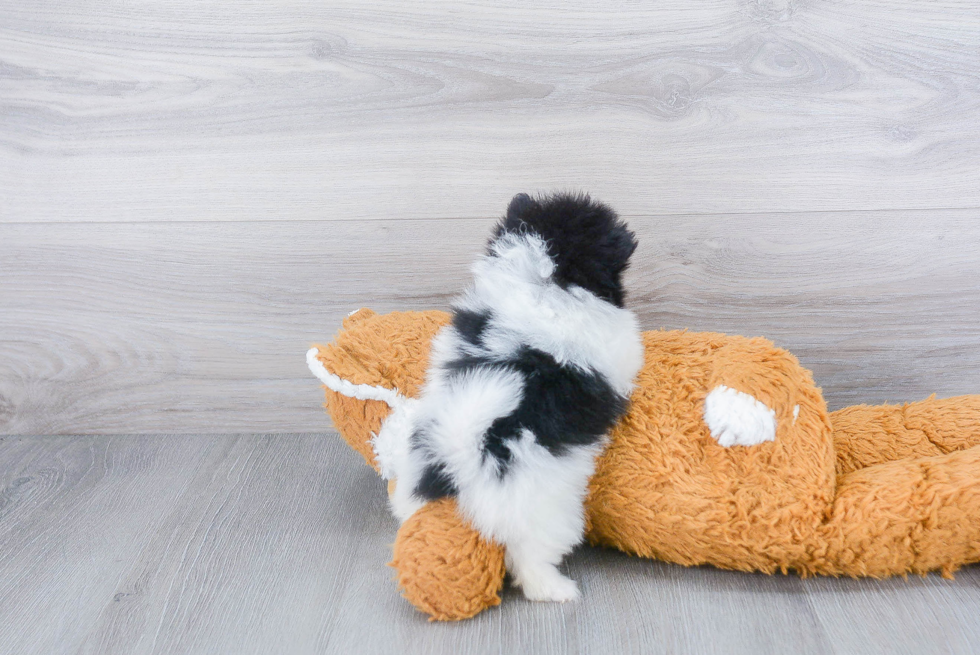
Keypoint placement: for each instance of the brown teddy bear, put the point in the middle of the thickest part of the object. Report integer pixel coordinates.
(863, 491)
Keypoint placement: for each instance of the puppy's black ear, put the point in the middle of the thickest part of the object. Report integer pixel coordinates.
(519, 206)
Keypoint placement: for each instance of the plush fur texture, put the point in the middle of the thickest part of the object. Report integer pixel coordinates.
(863, 491)
(524, 385)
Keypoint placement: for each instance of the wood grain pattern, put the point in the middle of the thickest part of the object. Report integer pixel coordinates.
(71, 515)
(329, 111)
(917, 615)
(193, 193)
(186, 327)
(277, 543)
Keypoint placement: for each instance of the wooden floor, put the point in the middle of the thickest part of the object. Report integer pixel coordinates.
(193, 193)
(278, 544)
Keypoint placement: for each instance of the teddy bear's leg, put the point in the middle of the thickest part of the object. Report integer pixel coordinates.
(867, 435)
(909, 515)
(445, 568)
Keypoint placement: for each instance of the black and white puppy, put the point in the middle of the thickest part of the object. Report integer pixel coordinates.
(536, 367)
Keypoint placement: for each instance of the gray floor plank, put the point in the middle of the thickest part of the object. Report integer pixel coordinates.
(278, 543)
(155, 328)
(253, 567)
(75, 517)
(231, 111)
(915, 615)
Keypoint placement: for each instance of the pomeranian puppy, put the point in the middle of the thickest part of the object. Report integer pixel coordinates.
(524, 385)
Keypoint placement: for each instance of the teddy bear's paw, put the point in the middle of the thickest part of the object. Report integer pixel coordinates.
(547, 584)
(738, 419)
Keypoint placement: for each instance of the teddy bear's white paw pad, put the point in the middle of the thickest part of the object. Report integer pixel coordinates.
(549, 585)
(738, 419)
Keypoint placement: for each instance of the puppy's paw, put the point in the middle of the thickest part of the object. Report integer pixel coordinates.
(738, 419)
(547, 584)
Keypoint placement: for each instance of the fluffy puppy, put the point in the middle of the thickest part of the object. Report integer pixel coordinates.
(536, 367)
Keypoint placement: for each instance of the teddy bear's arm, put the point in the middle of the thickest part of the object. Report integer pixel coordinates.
(737, 419)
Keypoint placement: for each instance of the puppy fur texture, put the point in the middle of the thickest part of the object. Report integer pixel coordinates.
(522, 388)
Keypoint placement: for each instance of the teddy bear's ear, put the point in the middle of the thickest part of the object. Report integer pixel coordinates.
(445, 568)
(357, 421)
(358, 316)
(390, 351)
(374, 357)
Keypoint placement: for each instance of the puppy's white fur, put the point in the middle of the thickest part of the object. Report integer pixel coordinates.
(573, 326)
(536, 509)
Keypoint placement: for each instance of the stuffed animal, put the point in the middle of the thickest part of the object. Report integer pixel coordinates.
(862, 491)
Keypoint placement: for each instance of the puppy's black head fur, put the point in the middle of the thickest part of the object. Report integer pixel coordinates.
(587, 241)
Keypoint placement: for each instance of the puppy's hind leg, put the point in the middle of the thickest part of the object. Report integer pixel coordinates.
(536, 510)
(548, 526)
(538, 575)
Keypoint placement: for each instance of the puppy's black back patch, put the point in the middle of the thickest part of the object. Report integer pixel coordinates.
(587, 241)
(562, 406)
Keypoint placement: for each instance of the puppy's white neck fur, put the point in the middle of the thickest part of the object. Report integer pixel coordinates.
(529, 308)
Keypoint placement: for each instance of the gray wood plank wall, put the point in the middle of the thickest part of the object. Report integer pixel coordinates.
(203, 326)
(192, 194)
(305, 110)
